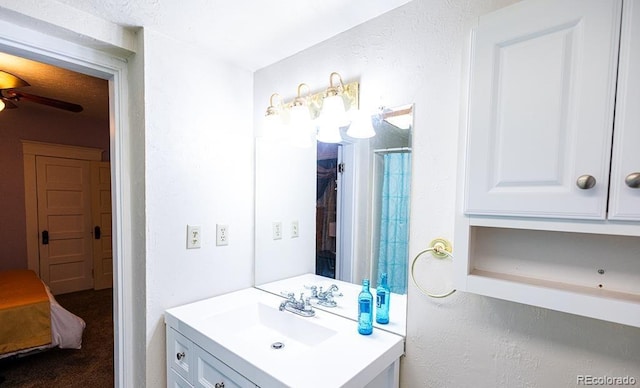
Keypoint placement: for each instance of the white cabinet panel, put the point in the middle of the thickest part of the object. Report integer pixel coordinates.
(212, 372)
(541, 109)
(625, 200)
(181, 355)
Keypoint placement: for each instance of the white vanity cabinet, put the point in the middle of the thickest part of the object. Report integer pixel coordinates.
(541, 109)
(549, 208)
(189, 365)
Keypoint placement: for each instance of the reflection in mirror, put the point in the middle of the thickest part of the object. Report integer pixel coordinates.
(361, 216)
(362, 207)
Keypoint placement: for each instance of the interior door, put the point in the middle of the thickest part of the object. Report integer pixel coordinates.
(101, 215)
(64, 221)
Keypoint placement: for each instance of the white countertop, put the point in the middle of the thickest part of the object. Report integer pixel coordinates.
(342, 358)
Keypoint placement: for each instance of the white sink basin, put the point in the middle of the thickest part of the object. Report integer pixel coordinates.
(240, 328)
(262, 325)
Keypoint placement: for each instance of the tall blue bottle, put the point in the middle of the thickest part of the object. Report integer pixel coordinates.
(383, 295)
(365, 309)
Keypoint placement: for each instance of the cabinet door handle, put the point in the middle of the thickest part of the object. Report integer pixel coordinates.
(586, 182)
(45, 237)
(633, 180)
(180, 356)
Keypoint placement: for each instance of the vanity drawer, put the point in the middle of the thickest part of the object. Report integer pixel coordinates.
(176, 381)
(211, 372)
(181, 355)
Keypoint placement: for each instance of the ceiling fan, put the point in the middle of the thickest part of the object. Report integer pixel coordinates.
(9, 96)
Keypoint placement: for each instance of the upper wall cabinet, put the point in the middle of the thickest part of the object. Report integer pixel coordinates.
(542, 95)
(549, 206)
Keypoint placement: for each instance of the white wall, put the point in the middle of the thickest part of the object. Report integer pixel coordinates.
(414, 54)
(199, 171)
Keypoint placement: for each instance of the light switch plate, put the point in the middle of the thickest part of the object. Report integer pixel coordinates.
(295, 229)
(194, 237)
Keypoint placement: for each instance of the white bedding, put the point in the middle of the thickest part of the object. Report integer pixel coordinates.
(66, 329)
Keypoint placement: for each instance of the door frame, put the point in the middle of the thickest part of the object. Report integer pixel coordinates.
(36, 42)
(31, 150)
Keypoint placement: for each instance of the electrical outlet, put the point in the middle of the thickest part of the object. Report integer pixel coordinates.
(194, 237)
(222, 234)
(277, 230)
(295, 229)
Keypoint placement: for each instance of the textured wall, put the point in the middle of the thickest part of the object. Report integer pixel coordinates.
(414, 54)
(199, 171)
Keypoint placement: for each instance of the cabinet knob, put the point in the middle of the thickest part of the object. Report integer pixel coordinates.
(180, 356)
(633, 180)
(586, 182)
(219, 385)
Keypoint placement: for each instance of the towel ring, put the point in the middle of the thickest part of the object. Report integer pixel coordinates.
(441, 249)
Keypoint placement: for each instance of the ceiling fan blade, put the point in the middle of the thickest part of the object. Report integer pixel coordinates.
(46, 101)
(10, 81)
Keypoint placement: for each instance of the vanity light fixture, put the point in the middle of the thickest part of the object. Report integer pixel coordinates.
(361, 127)
(273, 123)
(321, 114)
(300, 124)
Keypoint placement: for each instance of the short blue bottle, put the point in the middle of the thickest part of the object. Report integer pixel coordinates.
(383, 294)
(365, 309)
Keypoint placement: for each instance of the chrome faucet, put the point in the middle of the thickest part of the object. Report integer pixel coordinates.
(301, 307)
(325, 298)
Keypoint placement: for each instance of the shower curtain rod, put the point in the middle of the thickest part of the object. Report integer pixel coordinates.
(390, 150)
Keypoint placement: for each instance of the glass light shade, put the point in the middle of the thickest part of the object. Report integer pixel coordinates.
(333, 112)
(274, 127)
(1, 105)
(329, 133)
(300, 126)
(361, 127)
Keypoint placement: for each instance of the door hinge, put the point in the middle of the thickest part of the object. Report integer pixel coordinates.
(341, 168)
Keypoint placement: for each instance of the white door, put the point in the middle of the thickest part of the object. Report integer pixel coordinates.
(101, 216)
(64, 221)
(541, 108)
(624, 203)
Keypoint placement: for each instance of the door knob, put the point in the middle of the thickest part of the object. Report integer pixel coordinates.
(586, 182)
(633, 180)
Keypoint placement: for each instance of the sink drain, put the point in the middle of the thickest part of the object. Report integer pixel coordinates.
(277, 345)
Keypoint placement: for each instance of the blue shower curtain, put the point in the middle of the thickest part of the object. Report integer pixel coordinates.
(394, 220)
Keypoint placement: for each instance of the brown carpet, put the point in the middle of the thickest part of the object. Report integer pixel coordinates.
(91, 366)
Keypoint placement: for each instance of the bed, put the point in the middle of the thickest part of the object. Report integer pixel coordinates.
(30, 317)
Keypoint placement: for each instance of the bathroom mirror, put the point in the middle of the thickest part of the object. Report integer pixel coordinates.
(337, 214)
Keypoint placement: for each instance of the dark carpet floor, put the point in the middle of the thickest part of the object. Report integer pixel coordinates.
(91, 366)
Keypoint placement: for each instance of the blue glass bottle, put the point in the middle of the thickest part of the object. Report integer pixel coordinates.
(383, 295)
(365, 309)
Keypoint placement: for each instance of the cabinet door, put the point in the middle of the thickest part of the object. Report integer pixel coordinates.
(625, 195)
(541, 102)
